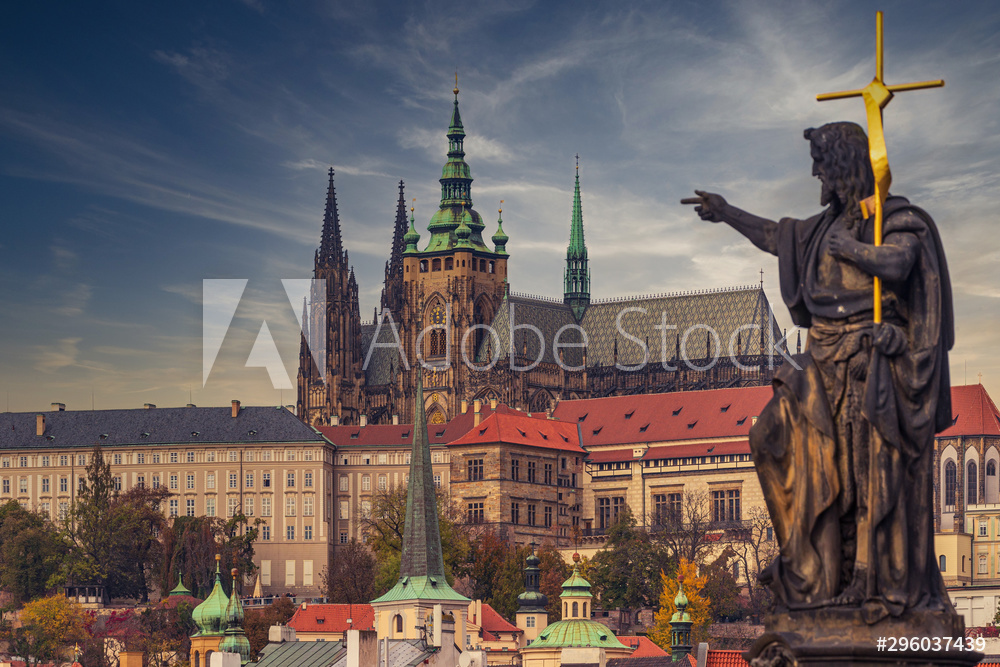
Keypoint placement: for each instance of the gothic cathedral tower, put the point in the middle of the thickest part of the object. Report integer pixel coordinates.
(455, 283)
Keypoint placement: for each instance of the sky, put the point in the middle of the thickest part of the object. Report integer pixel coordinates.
(148, 147)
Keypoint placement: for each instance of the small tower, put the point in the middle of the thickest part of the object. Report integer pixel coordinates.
(576, 279)
(680, 626)
(210, 619)
(531, 615)
(235, 640)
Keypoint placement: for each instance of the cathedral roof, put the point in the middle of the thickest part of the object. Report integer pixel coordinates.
(973, 412)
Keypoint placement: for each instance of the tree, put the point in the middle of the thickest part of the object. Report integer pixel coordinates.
(754, 550)
(496, 571)
(191, 544)
(721, 588)
(554, 572)
(49, 626)
(699, 607)
(686, 533)
(138, 552)
(352, 579)
(31, 552)
(257, 622)
(625, 571)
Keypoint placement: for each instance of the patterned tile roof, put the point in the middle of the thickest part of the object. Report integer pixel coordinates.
(717, 658)
(520, 429)
(974, 412)
(154, 426)
(650, 418)
(644, 647)
(332, 618)
(493, 622)
(302, 654)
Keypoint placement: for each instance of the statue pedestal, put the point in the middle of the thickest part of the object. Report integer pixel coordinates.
(840, 636)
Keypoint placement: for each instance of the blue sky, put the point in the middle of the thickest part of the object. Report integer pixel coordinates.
(145, 147)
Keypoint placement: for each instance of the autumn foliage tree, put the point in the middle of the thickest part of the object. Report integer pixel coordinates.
(554, 572)
(49, 626)
(699, 606)
(257, 622)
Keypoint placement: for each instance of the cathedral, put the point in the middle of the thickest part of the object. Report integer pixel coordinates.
(448, 312)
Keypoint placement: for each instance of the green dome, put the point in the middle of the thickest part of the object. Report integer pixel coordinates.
(235, 640)
(576, 632)
(180, 589)
(412, 236)
(576, 587)
(210, 615)
(500, 241)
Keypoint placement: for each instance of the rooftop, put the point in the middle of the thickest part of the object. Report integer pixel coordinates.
(332, 618)
(517, 428)
(973, 411)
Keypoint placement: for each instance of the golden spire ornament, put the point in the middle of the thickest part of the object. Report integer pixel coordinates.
(876, 96)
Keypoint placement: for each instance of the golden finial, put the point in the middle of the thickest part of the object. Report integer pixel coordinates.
(218, 557)
(413, 205)
(501, 207)
(456, 84)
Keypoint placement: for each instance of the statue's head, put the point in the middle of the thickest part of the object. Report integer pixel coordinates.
(841, 162)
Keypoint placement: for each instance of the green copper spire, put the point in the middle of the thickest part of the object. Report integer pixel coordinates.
(412, 236)
(421, 569)
(235, 640)
(179, 589)
(576, 278)
(210, 615)
(500, 239)
(680, 626)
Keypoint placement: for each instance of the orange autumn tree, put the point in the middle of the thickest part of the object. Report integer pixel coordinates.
(699, 606)
(50, 626)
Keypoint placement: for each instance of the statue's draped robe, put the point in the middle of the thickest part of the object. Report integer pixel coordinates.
(866, 400)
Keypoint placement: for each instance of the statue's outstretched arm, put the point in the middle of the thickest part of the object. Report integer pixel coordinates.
(762, 232)
(890, 261)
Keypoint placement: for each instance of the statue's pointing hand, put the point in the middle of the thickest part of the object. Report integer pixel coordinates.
(708, 205)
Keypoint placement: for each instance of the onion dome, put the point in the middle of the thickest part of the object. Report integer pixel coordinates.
(412, 236)
(464, 231)
(210, 615)
(532, 600)
(235, 640)
(500, 239)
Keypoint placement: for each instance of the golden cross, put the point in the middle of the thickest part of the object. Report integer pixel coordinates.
(876, 95)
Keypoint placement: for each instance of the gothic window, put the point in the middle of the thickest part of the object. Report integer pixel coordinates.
(950, 481)
(972, 483)
(437, 417)
(438, 335)
(991, 469)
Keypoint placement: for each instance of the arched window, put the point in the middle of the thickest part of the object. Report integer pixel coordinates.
(492, 267)
(399, 623)
(950, 481)
(449, 264)
(565, 609)
(436, 264)
(971, 484)
(991, 469)
(585, 610)
(482, 265)
(576, 610)
(197, 659)
(423, 266)
(942, 563)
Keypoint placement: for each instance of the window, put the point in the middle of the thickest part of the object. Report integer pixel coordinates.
(475, 470)
(190, 506)
(366, 509)
(308, 480)
(248, 456)
(234, 480)
(383, 459)
(307, 455)
(366, 483)
(991, 467)
(209, 506)
(45, 461)
(156, 458)
(345, 509)
(173, 508)
(307, 506)
(265, 533)
(265, 478)
(156, 481)
(531, 472)
(343, 537)
(290, 504)
(515, 513)
(140, 458)
(531, 515)
(249, 480)
(45, 485)
(290, 480)
(232, 503)
(289, 532)
(190, 481)
(982, 564)
(529, 622)
(190, 457)
(265, 455)
(173, 482)
(209, 457)
(265, 506)
(423, 266)
(307, 532)
(81, 459)
(343, 482)
(515, 469)
(116, 459)
(210, 480)
(248, 504)
(971, 483)
(383, 483)
(726, 505)
(548, 517)
(43, 507)
(116, 483)
(64, 460)
(173, 457)
(5, 486)
(769, 535)
(983, 528)
(437, 481)
(950, 482)
(289, 456)
(548, 473)
(474, 513)
(234, 456)
(64, 510)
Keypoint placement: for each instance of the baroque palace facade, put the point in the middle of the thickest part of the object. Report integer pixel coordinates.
(447, 311)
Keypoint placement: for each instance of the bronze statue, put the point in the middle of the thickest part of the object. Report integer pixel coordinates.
(844, 448)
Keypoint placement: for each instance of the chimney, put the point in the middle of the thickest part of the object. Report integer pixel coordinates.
(493, 404)
(465, 406)
(58, 407)
(395, 420)
(236, 409)
(477, 407)
(334, 420)
(40, 425)
(149, 406)
(364, 420)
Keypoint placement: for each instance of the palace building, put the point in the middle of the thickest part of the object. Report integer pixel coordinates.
(447, 301)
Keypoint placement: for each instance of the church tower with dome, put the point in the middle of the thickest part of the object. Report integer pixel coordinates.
(210, 619)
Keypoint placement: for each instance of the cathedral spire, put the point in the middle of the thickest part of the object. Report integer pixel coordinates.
(576, 282)
(398, 232)
(331, 248)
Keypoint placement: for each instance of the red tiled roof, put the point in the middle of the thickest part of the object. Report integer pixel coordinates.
(519, 429)
(718, 658)
(685, 415)
(973, 411)
(402, 434)
(332, 617)
(700, 449)
(644, 647)
(610, 456)
(493, 622)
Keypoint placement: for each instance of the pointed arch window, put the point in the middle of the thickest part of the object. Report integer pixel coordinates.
(971, 483)
(950, 482)
(991, 469)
